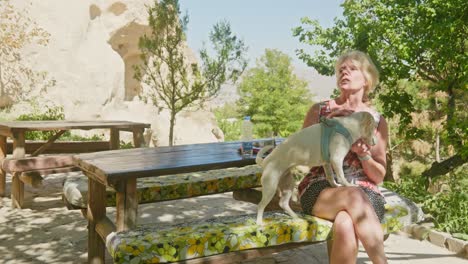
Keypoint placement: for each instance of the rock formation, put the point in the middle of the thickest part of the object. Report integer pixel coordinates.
(92, 47)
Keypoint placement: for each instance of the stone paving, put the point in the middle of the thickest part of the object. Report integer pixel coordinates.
(46, 232)
(398, 247)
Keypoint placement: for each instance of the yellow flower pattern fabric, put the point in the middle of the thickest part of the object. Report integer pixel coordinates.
(163, 244)
(169, 187)
(215, 236)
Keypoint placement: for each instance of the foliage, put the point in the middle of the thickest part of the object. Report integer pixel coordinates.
(409, 40)
(425, 128)
(17, 80)
(273, 96)
(229, 121)
(448, 206)
(174, 83)
(125, 145)
(51, 113)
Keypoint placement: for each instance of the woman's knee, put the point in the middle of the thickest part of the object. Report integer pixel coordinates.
(343, 224)
(343, 228)
(358, 206)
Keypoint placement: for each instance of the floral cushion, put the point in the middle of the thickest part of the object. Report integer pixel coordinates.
(169, 187)
(160, 244)
(399, 212)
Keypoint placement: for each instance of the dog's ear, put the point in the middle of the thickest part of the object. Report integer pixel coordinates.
(368, 128)
(368, 123)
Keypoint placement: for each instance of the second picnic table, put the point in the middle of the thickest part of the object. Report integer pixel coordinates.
(16, 131)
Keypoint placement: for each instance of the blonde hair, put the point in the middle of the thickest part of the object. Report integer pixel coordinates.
(365, 64)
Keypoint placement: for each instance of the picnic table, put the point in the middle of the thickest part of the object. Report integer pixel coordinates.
(120, 169)
(16, 131)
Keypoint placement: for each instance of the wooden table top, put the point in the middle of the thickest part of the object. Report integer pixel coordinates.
(68, 124)
(110, 166)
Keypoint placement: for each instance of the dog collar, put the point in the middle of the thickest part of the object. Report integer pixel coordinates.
(329, 127)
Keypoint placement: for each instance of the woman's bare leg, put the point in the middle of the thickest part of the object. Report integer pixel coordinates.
(345, 242)
(366, 224)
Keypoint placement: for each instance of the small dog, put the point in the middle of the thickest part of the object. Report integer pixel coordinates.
(303, 148)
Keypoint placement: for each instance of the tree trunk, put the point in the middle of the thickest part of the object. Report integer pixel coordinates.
(451, 127)
(437, 147)
(444, 167)
(171, 129)
(389, 170)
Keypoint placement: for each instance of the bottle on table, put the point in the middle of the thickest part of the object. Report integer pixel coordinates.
(246, 137)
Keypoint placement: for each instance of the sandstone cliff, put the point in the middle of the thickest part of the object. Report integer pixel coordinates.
(92, 47)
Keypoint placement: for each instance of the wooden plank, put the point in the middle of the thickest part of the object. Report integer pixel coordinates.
(3, 154)
(48, 125)
(63, 146)
(37, 163)
(146, 162)
(126, 204)
(18, 144)
(48, 143)
(17, 191)
(239, 256)
(138, 140)
(104, 227)
(114, 142)
(142, 151)
(51, 171)
(96, 213)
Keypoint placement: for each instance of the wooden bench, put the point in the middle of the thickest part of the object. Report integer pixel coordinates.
(32, 146)
(31, 171)
(169, 187)
(222, 235)
(19, 146)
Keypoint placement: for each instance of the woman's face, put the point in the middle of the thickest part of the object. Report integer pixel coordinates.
(350, 77)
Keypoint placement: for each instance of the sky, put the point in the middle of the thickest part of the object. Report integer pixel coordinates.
(262, 24)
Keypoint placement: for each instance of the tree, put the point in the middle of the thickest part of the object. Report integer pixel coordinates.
(273, 96)
(18, 80)
(409, 40)
(176, 84)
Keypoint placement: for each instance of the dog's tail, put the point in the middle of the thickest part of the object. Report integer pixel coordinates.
(259, 158)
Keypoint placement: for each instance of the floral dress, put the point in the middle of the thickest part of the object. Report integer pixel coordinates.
(315, 181)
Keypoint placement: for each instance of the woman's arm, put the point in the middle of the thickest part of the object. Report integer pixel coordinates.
(312, 116)
(375, 167)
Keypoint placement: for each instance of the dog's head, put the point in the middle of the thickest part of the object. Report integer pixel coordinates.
(367, 127)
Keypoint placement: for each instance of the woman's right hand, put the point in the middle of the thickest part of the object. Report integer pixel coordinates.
(340, 112)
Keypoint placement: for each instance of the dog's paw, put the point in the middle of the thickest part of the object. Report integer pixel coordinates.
(294, 216)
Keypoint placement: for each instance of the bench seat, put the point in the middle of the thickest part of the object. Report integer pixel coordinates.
(156, 244)
(162, 244)
(169, 187)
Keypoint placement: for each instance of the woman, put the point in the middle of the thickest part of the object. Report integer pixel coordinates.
(356, 211)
